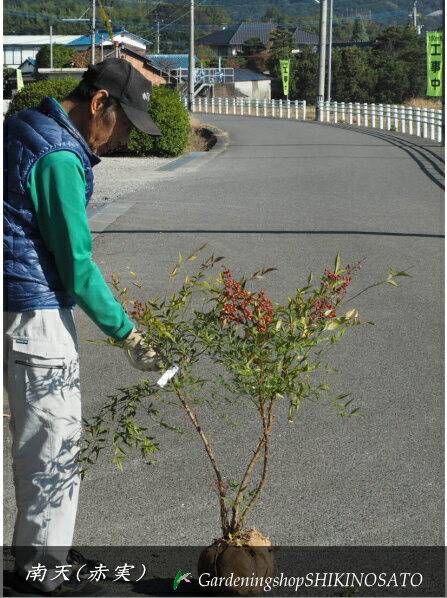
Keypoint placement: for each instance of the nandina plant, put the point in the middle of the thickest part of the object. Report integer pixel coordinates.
(263, 354)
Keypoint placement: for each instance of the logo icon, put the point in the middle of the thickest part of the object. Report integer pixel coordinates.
(181, 577)
(146, 96)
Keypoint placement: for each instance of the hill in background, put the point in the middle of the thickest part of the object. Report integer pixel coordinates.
(28, 17)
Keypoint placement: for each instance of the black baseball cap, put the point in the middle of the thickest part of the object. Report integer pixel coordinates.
(128, 87)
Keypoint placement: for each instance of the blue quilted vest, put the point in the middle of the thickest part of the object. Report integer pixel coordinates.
(31, 280)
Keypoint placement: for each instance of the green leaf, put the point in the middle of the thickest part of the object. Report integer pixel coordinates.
(174, 272)
(193, 256)
(266, 270)
(333, 325)
(337, 263)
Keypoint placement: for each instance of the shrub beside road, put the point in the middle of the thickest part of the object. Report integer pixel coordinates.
(166, 109)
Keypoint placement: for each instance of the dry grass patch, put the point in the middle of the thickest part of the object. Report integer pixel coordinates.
(424, 103)
(198, 139)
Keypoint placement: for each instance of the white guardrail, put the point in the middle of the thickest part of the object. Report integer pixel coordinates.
(422, 122)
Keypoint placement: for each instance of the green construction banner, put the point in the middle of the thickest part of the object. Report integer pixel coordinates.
(285, 72)
(435, 40)
(19, 79)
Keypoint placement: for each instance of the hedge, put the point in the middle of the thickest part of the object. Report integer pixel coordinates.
(31, 94)
(170, 116)
(166, 109)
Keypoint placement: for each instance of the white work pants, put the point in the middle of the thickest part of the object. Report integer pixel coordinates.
(42, 383)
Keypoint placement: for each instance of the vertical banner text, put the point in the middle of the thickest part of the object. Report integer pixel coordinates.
(285, 73)
(435, 65)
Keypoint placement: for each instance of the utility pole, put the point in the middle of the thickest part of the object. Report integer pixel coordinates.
(329, 54)
(93, 30)
(158, 37)
(415, 15)
(321, 60)
(102, 48)
(191, 60)
(51, 46)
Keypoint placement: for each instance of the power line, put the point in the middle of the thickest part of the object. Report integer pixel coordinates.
(213, 27)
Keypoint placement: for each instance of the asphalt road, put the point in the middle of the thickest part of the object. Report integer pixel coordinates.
(291, 196)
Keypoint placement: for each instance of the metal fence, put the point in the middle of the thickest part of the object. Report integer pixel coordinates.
(205, 75)
(244, 107)
(422, 122)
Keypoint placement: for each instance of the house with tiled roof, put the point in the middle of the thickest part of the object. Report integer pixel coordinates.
(228, 41)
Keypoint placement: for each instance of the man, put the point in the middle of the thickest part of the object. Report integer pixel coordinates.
(49, 154)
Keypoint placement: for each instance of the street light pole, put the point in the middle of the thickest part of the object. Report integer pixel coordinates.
(415, 14)
(93, 30)
(321, 60)
(329, 57)
(191, 60)
(51, 46)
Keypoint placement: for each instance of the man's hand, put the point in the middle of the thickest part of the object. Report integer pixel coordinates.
(140, 355)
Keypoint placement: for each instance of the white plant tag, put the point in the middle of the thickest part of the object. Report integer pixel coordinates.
(170, 373)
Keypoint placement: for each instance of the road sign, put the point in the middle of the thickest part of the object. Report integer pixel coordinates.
(285, 73)
(435, 40)
(19, 79)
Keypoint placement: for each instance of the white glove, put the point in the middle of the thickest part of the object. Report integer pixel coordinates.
(140, 355)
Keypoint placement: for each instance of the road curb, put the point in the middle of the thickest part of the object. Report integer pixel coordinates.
(193, 160)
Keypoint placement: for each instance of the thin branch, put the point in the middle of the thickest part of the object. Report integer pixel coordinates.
(259, 489)
(246, 479)
(220, 485)
(249, 471)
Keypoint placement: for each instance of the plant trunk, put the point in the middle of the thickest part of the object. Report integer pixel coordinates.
(220, 485)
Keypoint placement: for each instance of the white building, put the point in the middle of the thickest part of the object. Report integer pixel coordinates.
(17, 48)
(123, 37)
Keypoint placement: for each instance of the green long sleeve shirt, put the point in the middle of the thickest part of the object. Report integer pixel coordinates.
(57, 186)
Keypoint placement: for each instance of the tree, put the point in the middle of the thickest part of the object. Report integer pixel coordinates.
(207, 55)
(305, 75)
(280, 48)
(352, 77)
(62, 56)
(359, 32)
(236, 63)
(405, 47)
(252, 46)
(274, 15)
(392, 84)
(399, 41)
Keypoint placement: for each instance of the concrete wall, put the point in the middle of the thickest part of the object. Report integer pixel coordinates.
(254, 90)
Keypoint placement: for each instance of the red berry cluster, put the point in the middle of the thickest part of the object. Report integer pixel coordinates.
(243, 307)
(138, 310)
(320, 306)
(324, 307)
